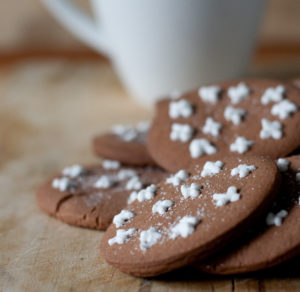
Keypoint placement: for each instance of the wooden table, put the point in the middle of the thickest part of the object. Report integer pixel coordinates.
(49, 111)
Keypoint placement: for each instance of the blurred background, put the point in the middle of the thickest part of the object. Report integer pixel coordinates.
(28, 30)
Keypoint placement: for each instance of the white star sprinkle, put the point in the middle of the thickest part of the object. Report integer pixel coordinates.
(209, 94)
(181, 108)
(234, 115)
(123, 217)
(238, 93)
(284, 109)
(177, 178)
(122, 236)
(241, 145)
(185, 227)
(181, 132)
(149, 237)
(242, 170)
(276, 219)
(270, 129)
(200, 147)
(212, 127)
(161, 206)
(210, 168)
(191, 191)
(230, 196)
(273, 94)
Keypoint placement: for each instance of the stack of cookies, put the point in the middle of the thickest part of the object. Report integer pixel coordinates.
(213, 181)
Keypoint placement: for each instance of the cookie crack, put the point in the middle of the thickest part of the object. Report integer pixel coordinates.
(62, 201)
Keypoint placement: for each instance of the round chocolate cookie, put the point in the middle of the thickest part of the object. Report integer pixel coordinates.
(91, 196)
(126, 144)
(253, 117)
(279, 237)
(190, 216)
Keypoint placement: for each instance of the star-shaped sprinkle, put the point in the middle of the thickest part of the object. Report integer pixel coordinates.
(238, 93)
(273, 94)
(191, 191)
(212, 127)
(284, 109)
(123, 217)
(270, 129)
(242, 170)
(185, 227)
(241, 145)
(209, 94)
(122, 236)
(181, 132)
(180, 109)
(230, 196)
(162, 206)
(200, 147)
(210, 168)
(149, 237)
(276, 219)
(177, 178)
(234, 115)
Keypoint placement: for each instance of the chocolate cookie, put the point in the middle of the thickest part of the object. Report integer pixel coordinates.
(296, 82)
(278, 239)
(126, 144)
(189, 216)
(241, 117)
(91, 196)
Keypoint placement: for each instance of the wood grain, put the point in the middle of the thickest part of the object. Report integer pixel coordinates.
(49, 111)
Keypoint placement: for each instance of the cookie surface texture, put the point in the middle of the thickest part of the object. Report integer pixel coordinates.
(249, 117)
(190, 215)
(92, 196)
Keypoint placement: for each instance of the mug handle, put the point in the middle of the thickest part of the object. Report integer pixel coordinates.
(78, 23)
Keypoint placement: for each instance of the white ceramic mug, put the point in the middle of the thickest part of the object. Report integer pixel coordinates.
(157, 46)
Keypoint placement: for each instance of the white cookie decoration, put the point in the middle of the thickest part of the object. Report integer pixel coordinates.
(122, 236)
(211, 168)
(238, 93)
(283, 164)
(270, 129)
(63, 184)
(242, 170)
(192, 191)
(209, 94)
(104, 182)
(73, 171)
(230, 196)
(212, 127)
(284, 109)
(111, 164)
(180, 109)
(273, 94)
(185, 227)
(276, 219)
(178, 178)
(125, 132)
(241, 145)
(200, 147)
(123, 217)
(149, 237)
(147, 193)
(181, 132)
(234, 115)
(162, 206)
(134, 183)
